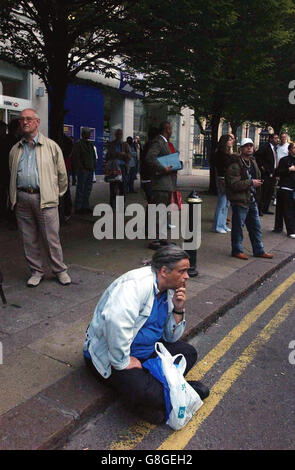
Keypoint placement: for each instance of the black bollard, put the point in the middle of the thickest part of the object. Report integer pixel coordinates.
(4, 301)
(192, 199)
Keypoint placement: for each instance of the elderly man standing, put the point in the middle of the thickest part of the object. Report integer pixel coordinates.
(38, 179)
(242, 182)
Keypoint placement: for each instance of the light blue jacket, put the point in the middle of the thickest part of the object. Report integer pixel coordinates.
(122, 310)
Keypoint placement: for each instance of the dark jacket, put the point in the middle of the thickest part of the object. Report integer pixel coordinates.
(221, 162)
(265, 158)
(83, 156)
(161, 181)
(287, 178)
(237, 183)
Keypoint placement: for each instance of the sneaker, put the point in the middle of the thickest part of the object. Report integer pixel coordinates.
(221, 231)
(228, 229)
(34, 281)
(63, 278)
(292, 235)
(200, 388)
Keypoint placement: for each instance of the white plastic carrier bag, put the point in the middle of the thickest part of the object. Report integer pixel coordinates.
(184, 399)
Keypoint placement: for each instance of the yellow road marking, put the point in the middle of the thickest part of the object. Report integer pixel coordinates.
(201, 368)
(179, 439)
(141, 429)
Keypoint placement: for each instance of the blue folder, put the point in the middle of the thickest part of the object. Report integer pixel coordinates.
(171, 160)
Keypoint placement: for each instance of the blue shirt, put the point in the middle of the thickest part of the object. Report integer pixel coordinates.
(27, 172)
(152, 331)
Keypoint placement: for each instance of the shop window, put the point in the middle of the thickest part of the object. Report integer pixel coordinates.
(14, 81)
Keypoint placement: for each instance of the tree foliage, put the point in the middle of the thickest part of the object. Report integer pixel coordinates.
(223, 59)
(56, 40)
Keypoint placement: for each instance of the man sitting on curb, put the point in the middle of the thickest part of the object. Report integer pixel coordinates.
(242, 183)
(138, 309)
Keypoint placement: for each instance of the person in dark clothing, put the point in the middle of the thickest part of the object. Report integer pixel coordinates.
(242, 181)
(222, 158)
(162, 178)
(4, 173)
(285, 207)
(84, 162)
(7, 142)
(133, 165)
(267, 161)
(66, 201)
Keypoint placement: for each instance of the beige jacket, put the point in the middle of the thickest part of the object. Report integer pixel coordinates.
(51, 169)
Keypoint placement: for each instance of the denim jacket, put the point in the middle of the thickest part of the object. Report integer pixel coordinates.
(122, 310)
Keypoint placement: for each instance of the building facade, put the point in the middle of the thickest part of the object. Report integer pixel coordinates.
(106, 104)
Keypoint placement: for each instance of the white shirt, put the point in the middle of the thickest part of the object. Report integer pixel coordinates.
(282, 150)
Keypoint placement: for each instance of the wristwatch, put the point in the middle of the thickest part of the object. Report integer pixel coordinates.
(179, 313)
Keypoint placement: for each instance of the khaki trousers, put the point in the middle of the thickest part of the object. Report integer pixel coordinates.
(33, 221)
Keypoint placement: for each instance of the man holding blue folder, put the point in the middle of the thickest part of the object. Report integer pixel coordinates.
(163, 181)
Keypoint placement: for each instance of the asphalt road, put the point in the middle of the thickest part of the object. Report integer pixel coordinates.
(247, 359)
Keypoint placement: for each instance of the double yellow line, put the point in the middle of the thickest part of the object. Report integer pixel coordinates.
(179, 439)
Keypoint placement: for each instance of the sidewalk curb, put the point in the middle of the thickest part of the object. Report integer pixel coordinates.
(45, 420)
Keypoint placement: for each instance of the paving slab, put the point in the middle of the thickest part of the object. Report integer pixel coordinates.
(23, 374)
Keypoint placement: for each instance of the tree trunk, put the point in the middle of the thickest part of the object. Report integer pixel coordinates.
(214, 140)
(57, 97)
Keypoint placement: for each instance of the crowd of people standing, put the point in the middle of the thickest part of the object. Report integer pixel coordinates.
(249, 180)
(246, 179)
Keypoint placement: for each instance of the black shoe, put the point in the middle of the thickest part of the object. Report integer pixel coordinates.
(269, 212)
(275, 230)
(200, 388)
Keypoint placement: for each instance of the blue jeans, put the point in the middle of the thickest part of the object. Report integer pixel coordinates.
(221, 210)
(250, 217)
(83, 189)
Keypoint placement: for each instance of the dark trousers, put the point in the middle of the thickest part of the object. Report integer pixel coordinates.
(160, 197)
(285, 211)
(138, 388)
(119, 188)
(267, 191)
(83, 190)
(3, 201)
(131, 178)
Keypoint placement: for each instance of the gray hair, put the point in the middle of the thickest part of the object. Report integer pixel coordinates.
(34, 111)
(168, 256)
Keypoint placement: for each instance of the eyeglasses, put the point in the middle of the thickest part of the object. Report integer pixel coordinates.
(28, 119)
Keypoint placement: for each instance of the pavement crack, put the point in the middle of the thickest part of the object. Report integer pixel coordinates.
(58, 407)
(68, 364)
